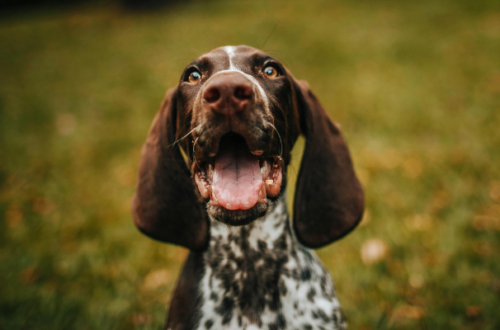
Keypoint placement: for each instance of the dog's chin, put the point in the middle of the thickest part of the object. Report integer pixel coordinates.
(237, 217)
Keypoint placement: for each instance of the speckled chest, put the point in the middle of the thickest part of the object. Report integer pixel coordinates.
(259, 277)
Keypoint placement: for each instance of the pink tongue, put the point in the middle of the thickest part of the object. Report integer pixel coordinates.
(236, 180)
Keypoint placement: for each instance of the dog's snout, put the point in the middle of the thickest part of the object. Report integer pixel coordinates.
(212, 94)
(243, 92)
(228, 93)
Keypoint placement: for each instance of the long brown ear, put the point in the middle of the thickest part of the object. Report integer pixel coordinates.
(329, 199)
(165, 206)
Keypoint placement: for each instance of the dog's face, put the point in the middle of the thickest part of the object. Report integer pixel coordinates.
(235, 105)
(236, 114)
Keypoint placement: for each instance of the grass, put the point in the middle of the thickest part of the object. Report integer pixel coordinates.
(415, 86)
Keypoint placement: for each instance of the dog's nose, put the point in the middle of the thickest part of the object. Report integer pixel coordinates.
(228, 93)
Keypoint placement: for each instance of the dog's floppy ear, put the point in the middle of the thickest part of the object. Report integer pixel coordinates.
(165, 206)
(329, 199)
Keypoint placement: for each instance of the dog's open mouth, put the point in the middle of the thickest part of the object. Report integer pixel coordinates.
(238, 181)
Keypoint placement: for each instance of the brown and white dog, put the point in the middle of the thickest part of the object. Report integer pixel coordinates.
(236, 114)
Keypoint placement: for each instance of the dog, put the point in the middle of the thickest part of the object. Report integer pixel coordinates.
(212, 178)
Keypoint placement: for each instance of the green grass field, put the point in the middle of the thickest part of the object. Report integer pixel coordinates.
(415, 86)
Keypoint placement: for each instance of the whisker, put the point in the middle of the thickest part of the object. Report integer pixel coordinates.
(182, 138)
(281, 141)
(194, 145)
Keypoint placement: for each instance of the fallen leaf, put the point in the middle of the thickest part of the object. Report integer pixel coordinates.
(374, 250)
(65, 123)
(473, 311)
(407, 312)
(29, 275)
(420, 222)
(157, 278)
(416, 281)
(413, 167)
(494, 191)
(14, 215)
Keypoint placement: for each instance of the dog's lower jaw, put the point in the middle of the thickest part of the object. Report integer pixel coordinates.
(239, 217)
(257, 276)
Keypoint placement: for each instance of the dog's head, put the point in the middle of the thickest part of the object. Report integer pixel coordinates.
(236, 114)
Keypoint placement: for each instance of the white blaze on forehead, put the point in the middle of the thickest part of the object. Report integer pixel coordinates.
(230, 51)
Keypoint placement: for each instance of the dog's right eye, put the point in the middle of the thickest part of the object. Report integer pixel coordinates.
(270, 72)
(194, 77)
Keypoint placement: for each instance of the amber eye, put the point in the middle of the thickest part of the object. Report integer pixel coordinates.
(270, 72)
(194, 77)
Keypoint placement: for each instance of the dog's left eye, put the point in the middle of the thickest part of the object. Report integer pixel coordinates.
(194, 77)
(270, 72)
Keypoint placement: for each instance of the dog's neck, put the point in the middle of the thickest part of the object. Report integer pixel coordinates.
(258, 238)
(244, 264)
(258, 275)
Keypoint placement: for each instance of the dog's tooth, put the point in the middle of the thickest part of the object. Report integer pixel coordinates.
(264, 170)
(262, 194)
(210, 171)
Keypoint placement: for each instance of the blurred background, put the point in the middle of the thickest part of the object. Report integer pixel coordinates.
(414, 84)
